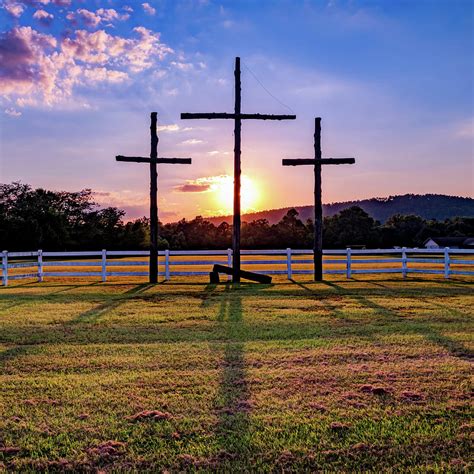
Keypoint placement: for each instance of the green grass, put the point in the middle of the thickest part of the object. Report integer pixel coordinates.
(368, 374)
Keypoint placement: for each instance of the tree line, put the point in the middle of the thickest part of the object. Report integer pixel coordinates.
(33, 219)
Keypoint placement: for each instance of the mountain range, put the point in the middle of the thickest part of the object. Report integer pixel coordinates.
(428, 206)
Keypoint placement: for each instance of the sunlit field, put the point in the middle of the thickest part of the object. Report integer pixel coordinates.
(364, 374)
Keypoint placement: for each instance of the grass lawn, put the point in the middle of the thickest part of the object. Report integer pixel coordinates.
(365, 374)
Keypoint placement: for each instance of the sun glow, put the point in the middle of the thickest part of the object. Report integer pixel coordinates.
(223, 189)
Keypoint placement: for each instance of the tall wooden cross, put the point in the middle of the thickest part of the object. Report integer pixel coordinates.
(317, 161)
(237, 116)
(153, 160)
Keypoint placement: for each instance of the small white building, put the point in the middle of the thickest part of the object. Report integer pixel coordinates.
(451, 242)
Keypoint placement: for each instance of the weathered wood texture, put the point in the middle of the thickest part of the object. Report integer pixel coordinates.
(237, 173)
(153, 200)
(322, 161)
(258, 277)
(224, 115)
(141, 159)
(317, 162)
(237, 116)
(153, 160)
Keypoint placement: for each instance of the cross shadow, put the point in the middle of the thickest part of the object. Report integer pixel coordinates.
(92, 315)
(455, 348)
(325, 301)
(48, 296)
(232, 399)
(12, 353)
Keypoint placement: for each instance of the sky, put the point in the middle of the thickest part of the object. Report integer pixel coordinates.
(392, 80)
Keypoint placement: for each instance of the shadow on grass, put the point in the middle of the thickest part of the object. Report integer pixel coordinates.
(93, 315)
(28, 298)
(232, 400)
(455, 348)
(13, 353)
(325, 303)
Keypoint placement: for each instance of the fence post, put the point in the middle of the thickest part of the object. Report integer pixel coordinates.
(104, 265)
(348, 263)
(229, 262)
(167, 264)
(288, 263)
(5, 267)
(446, 262)
(40, 266)
(404, 262)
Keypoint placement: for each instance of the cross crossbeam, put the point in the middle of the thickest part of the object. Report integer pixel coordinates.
(322, 161)
(317, 162)
(153, 160)
(237, 116)
(140, 159)
(224, 115)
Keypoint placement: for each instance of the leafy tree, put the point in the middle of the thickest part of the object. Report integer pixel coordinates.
(38, 218)
(352, 226)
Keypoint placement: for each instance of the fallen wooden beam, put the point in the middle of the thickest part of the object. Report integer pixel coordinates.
(213, 277)
(243, 274)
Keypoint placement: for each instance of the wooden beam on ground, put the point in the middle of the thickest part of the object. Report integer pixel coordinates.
(237, 116)
(258, 277)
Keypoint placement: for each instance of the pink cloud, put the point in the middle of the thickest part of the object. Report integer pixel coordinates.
(89, 18)
(94, 19)
(22, 54)
(38, 68)
(43, 17)
(14, 9)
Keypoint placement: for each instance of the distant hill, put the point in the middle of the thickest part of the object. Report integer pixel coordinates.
(428, 206)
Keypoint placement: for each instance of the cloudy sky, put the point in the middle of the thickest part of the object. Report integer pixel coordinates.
(392, 81)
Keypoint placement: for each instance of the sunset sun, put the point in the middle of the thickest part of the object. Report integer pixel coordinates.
(223, 189)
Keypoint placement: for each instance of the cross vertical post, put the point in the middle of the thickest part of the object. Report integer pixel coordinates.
(153, 160)
(237, 174)
(153, 200)
(318, 161)
(318, 205)
(237, 116)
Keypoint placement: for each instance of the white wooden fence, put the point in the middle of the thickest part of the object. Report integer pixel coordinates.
(288, 262)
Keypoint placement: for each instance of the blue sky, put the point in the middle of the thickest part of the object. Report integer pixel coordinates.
(392, 81)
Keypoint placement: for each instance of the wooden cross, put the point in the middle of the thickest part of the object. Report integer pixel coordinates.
(153, 160)
(237, 116)
(317, 161)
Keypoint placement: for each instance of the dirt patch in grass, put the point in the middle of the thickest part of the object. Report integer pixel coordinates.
(153, 415)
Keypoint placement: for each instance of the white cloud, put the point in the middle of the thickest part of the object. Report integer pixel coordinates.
(191, 141)
(148, 8)
(173, 128)
(12, 112)
(217, 152)
(182, 66)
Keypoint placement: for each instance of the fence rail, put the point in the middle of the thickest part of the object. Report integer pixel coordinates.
(112, 263)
